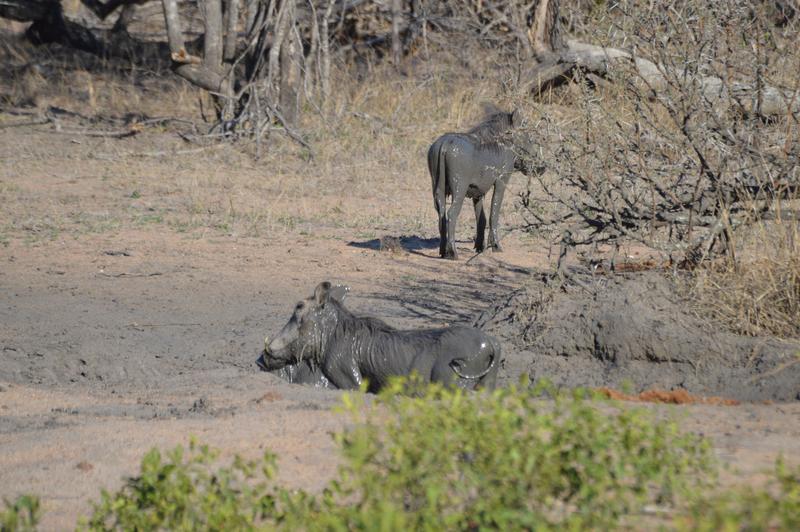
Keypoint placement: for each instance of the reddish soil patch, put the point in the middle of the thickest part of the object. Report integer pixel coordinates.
(673, 397)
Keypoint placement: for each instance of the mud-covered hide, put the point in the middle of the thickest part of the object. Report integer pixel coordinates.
(349, 349)
(303, 373)
(468, 165)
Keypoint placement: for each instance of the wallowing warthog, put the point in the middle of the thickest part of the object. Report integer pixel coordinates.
(467, 165)
(349, 349)
(300, 373)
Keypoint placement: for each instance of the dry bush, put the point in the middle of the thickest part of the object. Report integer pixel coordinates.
(689, 168)
(757, 296)
(680, 166)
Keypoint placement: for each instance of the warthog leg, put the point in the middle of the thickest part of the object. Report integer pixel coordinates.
(452, 217)
(454, 365)
(497, 201)
(480, 222)
(442, 211)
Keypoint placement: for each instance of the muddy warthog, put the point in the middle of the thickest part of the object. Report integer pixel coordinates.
(349, 349)
(300, 373)
(467, 165)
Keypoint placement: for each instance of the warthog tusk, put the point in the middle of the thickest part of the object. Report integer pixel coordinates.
(266, 344)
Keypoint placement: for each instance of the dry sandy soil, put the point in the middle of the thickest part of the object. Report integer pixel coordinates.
(136, 290)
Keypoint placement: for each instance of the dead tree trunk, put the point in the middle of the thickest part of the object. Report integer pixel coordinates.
(50, 26)
(544, 32)
(397, 46)
(103, 10)
(291, 74)
(325, 57)
(198, 71)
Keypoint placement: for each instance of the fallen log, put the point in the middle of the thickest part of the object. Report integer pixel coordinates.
(560, 67)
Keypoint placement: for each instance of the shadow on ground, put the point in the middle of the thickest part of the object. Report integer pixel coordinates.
(397, 243)
(456, 297)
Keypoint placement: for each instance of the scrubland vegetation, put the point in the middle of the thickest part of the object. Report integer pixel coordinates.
(696, 161)
(514, 459)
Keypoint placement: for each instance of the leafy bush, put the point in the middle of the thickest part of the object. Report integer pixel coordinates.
(776, 507)
(445, 459)
(510, 460)
(21, 515)
(181, 492)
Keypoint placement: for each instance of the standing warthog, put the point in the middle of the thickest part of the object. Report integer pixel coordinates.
(348, 348)
(467, 165)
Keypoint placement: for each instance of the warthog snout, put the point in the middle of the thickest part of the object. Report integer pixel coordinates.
(266, 360)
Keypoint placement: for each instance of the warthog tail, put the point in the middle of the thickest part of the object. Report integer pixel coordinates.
(438, 171)
(454, 366)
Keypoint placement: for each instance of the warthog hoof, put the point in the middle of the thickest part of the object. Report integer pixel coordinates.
(450, 254)
(497, 248)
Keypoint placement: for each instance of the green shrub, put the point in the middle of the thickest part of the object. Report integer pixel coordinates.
(182, 492)
(448, 460)
(775, 507)
(442, 460)
(20, 515)
(509, 460)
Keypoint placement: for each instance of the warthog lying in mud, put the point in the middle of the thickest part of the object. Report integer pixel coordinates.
(301, 373)
(323, 340)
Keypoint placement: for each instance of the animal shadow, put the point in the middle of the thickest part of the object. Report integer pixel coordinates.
(396, 243)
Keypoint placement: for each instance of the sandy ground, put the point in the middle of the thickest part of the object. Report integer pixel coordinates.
(142, 332)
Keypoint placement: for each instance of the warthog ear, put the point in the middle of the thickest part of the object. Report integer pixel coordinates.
(339, 292)
(516, 118)
(322, 292)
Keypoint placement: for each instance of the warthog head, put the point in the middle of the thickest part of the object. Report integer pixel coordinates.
(528, 160)
(518, 135)
(304, 335)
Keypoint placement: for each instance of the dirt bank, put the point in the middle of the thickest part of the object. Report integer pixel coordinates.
(632, 330)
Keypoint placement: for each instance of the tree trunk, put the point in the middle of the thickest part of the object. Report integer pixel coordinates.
(291, 61)
(103, 10)
(205, 73)
(544, 32)
(50, 26)
(231, 33)
(125, 18)
(325, 59)
(213, 38)
(397, 48)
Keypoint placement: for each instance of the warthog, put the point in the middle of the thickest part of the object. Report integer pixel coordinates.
(349, 349)
(300, 373)
(467, 165)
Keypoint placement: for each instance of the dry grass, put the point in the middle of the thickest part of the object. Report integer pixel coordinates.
(761, 294)
(367, 176)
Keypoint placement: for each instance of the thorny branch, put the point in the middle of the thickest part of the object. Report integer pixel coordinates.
(678, 169)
